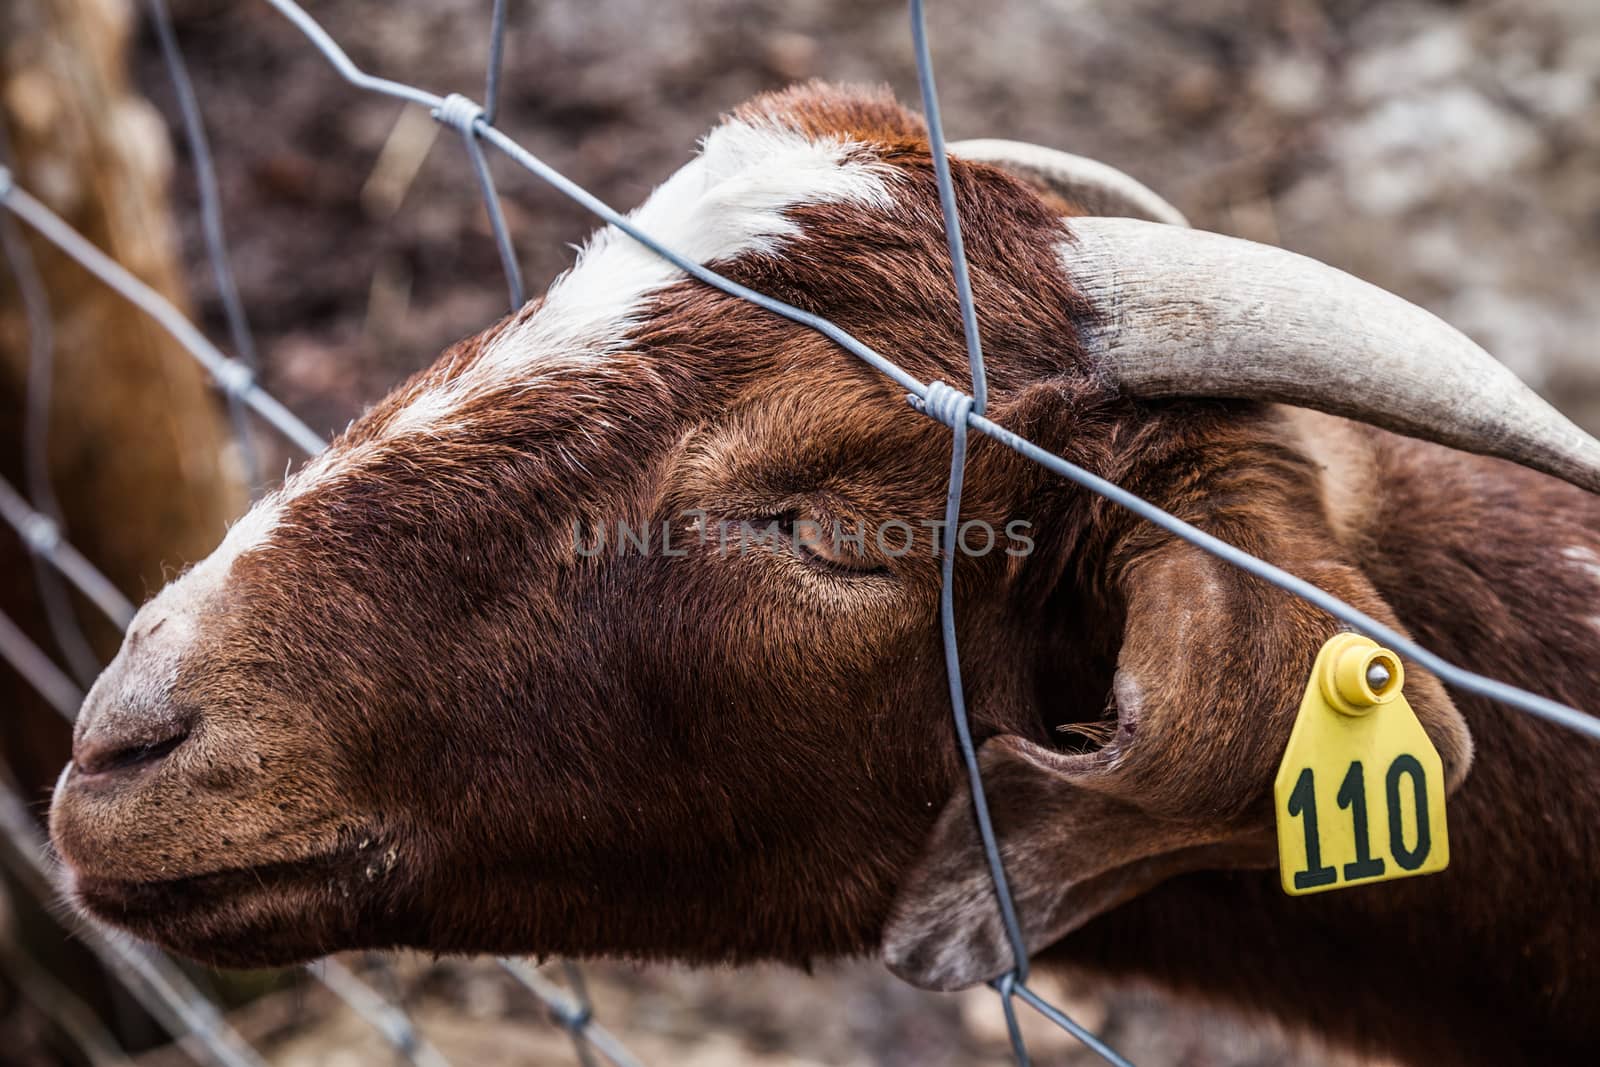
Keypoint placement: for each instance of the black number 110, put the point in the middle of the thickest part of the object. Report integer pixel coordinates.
(1353, 796)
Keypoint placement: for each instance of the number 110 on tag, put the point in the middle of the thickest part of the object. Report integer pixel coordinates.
(1360, 791)
(1404, 822)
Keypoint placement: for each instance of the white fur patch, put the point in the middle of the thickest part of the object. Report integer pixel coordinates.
(166, 626)
(1587, 560)
(208, 576)
(730, 200)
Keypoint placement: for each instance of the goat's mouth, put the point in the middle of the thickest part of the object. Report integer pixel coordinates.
(270, 915)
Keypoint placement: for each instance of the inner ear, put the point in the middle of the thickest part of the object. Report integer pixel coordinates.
(1074, 679)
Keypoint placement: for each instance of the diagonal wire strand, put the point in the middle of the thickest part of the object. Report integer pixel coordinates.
(231, 374)
(38, 670)
(570, 1012)
(379, 1012)
(43, 538)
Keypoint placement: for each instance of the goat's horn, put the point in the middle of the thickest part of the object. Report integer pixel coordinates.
(1189, 313)
(1086, 183)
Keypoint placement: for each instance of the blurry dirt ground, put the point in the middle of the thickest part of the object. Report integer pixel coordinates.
(1447, 151)
(846, 1016)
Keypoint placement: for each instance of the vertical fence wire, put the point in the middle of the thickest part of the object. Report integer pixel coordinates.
(205, 174)
(60, 613)
(954, 409)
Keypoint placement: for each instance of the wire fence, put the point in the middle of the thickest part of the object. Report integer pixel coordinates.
(168, 993)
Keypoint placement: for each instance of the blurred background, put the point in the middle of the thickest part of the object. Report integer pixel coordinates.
(1449, 151)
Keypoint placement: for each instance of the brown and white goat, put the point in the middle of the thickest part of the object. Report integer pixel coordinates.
(403, 704)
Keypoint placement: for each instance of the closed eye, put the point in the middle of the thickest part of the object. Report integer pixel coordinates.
(840, 547)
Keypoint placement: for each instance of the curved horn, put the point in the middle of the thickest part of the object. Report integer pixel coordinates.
(1097, 188)
(1188, 313)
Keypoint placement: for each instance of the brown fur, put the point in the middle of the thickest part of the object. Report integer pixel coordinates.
(417, 716)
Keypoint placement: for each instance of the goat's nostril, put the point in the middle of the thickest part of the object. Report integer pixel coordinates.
(104, 758)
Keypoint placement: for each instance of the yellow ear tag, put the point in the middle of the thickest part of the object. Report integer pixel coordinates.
(1360, 793)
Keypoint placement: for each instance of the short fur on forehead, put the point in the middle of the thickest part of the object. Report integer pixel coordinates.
(818, 110)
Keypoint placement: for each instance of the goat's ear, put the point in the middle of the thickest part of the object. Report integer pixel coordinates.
(1070, 854)
(1209, 677)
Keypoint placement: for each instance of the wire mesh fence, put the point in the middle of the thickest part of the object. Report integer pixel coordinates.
(165, 989)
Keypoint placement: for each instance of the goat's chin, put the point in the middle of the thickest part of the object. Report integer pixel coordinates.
(268, 916)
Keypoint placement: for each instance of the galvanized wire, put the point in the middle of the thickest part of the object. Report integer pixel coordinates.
(205, 174)
(385, 1016)
(60, 613)
(954, 409)
(959, 411)
(41, 536)
(572, 1012)
(232, 375)
(497, 59)
(38, 669)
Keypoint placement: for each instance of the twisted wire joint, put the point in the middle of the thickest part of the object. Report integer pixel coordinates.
(460, 113)
(944, 403)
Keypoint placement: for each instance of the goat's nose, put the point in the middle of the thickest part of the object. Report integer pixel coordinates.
(142, 746)
(129, 720)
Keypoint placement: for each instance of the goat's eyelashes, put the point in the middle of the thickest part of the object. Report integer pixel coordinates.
(836, 547)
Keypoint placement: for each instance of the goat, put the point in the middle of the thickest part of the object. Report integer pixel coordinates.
(404, 703)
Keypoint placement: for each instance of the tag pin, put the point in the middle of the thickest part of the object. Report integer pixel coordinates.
(1359, 675)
